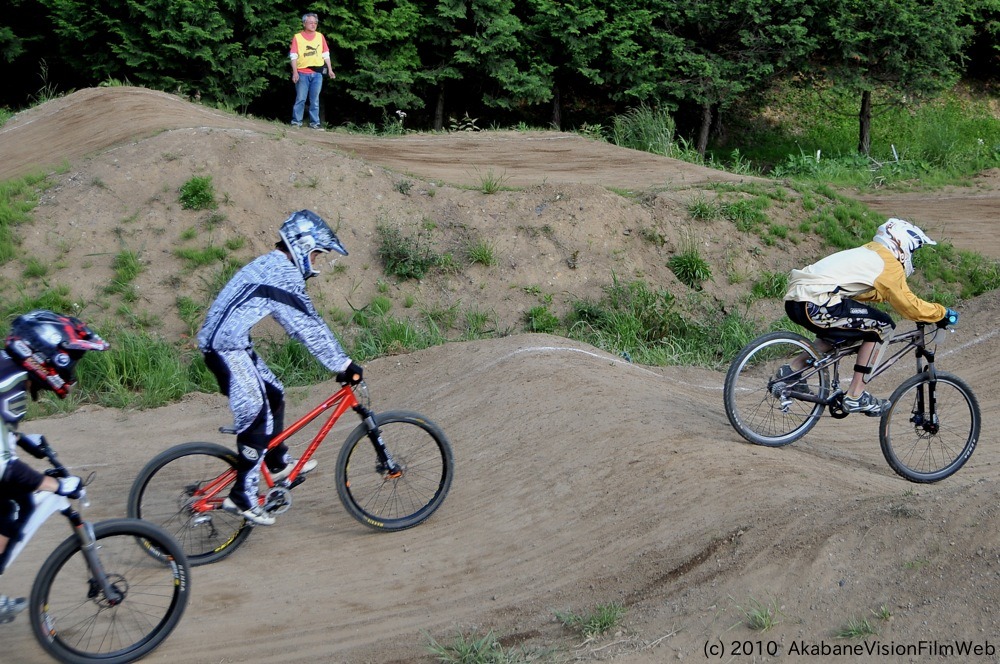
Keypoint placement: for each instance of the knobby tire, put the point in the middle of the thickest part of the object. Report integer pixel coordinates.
(922, 450)
(389, 504)
(163, 494)
(73, 619)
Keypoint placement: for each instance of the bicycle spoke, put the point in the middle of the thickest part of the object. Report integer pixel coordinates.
(170, 492)
(395, 502)
(761, 406)
(78, 621)
(926, 446)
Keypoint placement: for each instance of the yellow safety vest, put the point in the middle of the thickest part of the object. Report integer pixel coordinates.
(310, 51)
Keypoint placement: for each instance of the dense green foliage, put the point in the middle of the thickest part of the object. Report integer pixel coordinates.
(541, 62)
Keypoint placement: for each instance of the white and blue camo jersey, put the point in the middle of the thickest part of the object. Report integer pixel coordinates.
(271, 285)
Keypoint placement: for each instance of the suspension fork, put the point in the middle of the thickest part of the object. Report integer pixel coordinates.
(926, 405)
(385, 458)
(88, 545)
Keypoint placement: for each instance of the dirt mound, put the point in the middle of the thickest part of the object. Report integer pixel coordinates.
(95, 119)
(581, 479)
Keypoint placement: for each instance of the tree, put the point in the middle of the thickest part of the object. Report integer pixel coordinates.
(566, 35)
(904, 49)
(185, 46)
(735, 47)
(375, 47)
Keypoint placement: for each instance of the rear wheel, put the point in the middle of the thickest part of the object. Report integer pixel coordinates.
(76, 621)
(387, 501)
(182, 490)
(765, 409)
(931, 427)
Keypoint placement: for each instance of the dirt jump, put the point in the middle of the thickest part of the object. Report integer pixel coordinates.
(581, 479)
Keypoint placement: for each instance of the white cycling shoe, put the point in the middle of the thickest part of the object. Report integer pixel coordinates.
(287, 470)
(255, 515)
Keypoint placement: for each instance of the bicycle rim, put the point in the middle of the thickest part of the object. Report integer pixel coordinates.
(165, 492)
(76, 622)
(926, 448)
(758, 407)
(387, 503)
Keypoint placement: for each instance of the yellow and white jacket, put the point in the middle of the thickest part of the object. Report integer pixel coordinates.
(870, 273)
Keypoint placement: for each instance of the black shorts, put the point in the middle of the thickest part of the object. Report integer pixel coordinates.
(848, 320)
(18, 484)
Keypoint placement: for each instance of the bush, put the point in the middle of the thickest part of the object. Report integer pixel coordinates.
(690, 268)
(402, 256)
(198, 193)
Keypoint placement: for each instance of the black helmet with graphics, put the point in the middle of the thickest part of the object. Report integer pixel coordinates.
(305, 232)
(48, 346)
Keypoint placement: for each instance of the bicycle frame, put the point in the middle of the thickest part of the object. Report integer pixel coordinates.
(209, 498)
(47, 504)
(915, 339)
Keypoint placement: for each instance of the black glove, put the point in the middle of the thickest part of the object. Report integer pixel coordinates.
(351, 375)
(950, 318)
(33, 443)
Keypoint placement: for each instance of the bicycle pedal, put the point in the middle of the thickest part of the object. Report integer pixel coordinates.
(278, 500)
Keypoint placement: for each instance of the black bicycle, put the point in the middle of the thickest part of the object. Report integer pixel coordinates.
(99, 597)
(928, 432)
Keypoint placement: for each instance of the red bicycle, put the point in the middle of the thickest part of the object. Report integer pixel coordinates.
(394, 470)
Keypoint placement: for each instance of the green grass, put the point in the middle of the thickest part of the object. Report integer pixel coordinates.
(815, 136)
(769, 285)
(690, 268)
(195, 258)
(857, 628)
(746, 214)
(760, 616)
(198, 193)
(491, 182)
(477, 649)
(191, 312)
(603, 619)
(403, 256)
(34, 268)
(126, 266)
(647, 129)
(703, 209)
(18, 198)
(540, 319)
(646, 324)
(482, 252)
(54, 298)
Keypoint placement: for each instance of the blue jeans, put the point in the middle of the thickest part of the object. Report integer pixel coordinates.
(309, 86)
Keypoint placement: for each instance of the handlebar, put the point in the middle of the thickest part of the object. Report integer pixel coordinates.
(37, 446)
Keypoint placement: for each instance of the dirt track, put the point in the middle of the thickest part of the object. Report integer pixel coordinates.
(581, 480)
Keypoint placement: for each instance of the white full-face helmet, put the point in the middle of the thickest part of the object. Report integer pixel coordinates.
(902, 238)
(305, 232)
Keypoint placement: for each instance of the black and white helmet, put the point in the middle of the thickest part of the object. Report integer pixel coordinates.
(902, 238)
(305, 232)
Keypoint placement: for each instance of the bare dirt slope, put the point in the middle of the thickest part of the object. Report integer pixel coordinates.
(94, 119)
(581, 479)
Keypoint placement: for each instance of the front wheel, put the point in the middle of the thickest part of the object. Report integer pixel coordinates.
(395, 501)
(931, 427)
(182, 490)
(760, 403)
(77, 622)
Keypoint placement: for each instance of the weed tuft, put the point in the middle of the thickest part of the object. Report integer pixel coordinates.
(603, 619)
(198, 193)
